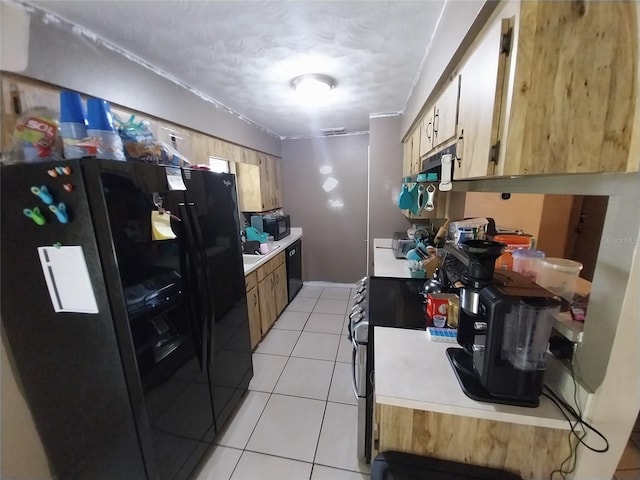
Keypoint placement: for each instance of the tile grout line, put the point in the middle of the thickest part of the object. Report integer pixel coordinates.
(244, 449)
(272, 393)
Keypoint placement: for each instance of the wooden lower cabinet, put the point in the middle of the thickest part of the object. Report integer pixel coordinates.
(253, 305)
(267, 296)
(267, 299)
(532, 452)
(280, 280)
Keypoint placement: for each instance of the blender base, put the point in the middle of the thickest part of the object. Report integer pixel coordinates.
(462, 364)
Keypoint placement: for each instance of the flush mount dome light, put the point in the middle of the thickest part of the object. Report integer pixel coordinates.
(313, 84)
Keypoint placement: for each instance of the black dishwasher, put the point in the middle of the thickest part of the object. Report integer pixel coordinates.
(294, 268)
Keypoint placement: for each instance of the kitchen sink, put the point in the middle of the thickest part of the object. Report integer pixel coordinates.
(248, 259)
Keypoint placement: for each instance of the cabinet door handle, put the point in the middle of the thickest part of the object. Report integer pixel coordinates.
(427, 129)
(436, 125)
(460, 148)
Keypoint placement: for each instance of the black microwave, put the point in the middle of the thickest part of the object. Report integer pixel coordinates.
(279, 227)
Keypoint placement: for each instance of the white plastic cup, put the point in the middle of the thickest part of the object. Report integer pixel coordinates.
(559, 275)
(71, 134)
(110, 146)
(439, 321)
(527, 262)
(264, 248)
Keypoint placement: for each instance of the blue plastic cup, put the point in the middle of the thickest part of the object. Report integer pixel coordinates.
(71, 108)
(99, 115)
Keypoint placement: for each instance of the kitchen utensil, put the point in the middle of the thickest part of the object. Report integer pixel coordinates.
(442, 233)
(435, 284)
(416, 254)
(421, 198)
(431, 192)
(254, 234)
(404, 200)
(445, 173)
(252, 247)
(414, 200)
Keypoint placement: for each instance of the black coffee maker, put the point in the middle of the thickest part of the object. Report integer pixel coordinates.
(504, 328)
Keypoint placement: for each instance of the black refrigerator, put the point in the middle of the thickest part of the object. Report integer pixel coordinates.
(124, 312)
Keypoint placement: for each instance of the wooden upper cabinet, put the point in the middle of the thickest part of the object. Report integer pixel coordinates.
(406, 158)
(200, 150)
(483, 73)
(411, 153)
(280, 288)
(439, 124)
(445, 116)
(551, 88)
(259, 186)
(277, 182)
(574, 106)
(426, 131)
(416, 165)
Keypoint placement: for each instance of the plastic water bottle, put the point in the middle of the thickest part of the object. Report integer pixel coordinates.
(73, 124)
(101, 126)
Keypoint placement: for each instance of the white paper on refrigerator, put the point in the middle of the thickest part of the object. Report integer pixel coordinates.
(65, 271)
(174, 178)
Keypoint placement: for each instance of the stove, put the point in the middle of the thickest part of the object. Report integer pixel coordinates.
(379, 302)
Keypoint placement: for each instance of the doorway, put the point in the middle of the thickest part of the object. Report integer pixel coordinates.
(585, 232)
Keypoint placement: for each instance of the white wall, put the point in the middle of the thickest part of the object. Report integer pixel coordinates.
(334, 244)
(617, 402)
(521, 211)
(385, 180)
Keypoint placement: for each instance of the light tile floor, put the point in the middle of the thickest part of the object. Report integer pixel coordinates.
(298, 420)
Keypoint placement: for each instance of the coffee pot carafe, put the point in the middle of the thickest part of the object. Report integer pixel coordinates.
(504, 328)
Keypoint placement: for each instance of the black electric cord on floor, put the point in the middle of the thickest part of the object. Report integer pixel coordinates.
(579, 435)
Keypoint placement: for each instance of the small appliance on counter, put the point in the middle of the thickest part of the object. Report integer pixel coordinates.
(278, 226)
(505, 322)
(401, 244)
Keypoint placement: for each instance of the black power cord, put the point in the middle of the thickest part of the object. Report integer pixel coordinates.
(577, 415)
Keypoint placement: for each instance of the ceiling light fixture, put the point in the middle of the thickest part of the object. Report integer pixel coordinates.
(313, 85)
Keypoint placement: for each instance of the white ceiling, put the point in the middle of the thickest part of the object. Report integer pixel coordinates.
(244, 54)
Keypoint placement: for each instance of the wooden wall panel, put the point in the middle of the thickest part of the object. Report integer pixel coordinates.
(532, 452)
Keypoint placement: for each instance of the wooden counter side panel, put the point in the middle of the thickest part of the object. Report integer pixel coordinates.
(575, 89)
(532, 452)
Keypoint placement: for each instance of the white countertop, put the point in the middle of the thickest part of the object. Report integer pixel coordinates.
(385, 264)
(412, 371)
(279, 246)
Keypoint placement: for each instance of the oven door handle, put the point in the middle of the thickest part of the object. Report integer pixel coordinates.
(356, 345)
(354, 327)
(354, 383)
